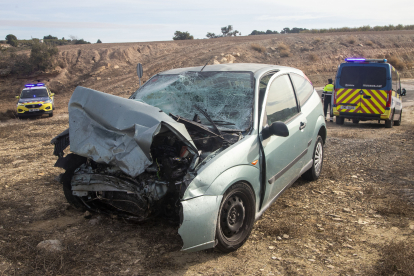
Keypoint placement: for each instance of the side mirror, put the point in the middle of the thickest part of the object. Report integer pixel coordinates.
(277, 128)
(52, 94)
(17, 97)
(403, 92)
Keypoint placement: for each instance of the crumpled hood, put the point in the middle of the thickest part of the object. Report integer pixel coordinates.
(40, 99)
(117, 131)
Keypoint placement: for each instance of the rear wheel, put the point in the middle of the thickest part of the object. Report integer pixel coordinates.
(340, 120)
(398, 123)
(390, 123)
(315, 171)
(355, 121)
(235, 218)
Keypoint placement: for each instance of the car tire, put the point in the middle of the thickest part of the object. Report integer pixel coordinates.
(51, 114)
(340, 120)
(236, 217)
(315, 171)
(355, 121)
(66, 180)
(398, 122)
(390, 123)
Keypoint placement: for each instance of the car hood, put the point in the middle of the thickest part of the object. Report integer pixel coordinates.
(41, 99)
(118, 131)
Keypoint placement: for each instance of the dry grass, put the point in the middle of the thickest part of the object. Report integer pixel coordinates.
(9, 114)
(369, 43)
(258, 48)
(284, 50)
(396, 62)
(313, 57)
(317, 40)
(351, 39)
(397, 258)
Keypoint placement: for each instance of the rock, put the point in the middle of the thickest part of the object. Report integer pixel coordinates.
(230, 58)
(50, 245)
(271, 247)
(354, 176)
(338, 192)
(347, 210)
(95, 221)
(18, 162)
(116, 66)
(107, 65)
(412, 226)
(330, 266)
(311, 260)
(222, 54)
(223, 60)
(237, 55)
(285, 236)
(360, 45)
(87, 215)
(216, 61)
(278, 238)
(98, 78)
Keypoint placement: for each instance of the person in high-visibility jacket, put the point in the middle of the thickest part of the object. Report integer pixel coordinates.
(327, 99)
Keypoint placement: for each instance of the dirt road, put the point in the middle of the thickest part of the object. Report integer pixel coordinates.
(358, 218)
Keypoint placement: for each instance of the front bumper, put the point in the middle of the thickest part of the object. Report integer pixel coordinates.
(363, 116)
(199, 221)
(23, 111)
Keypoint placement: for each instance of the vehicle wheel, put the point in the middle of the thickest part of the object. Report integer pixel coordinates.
(390, 123)
(51, 114)
(340, 120)
(313, 173)
(66, 180)
(398, 123)
(355, 121)
(235, 218)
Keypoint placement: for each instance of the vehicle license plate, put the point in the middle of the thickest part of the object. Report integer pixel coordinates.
(349, 107)
(33, 109)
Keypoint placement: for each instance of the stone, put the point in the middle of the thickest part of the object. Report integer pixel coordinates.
(223, 60)
(216, 61)
(311, 260)
(330, 266)
(87, 215)
(354, 176)
(285, 236)
(412, 226)
(98, 78)
(18, 162)
(50, 245)
(116, 66)
(95, 221)
(278, 238)
(347, 210)
(271, 247)
(230, 58)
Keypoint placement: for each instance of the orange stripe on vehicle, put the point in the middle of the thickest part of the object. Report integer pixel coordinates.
(380, 101)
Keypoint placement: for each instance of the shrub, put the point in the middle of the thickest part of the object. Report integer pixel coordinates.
(81, 41)
(396, 62)
(313, 57)
(285, 53)
(182, 36)
(369, 43)
(282, 46)
(351, 39)
(259, 48)
(9, 114)
(99, 41)
(42, 56)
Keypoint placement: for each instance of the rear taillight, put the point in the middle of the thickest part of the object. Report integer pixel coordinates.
(334, 95)
(389, 97)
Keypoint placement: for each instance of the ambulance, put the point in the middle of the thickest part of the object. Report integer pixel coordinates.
(368, 89)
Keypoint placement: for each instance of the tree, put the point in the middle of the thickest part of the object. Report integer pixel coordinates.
(99, 41)
(81, 41)
(50, 37)
(182, 36)
(211, 35)
(12, 40)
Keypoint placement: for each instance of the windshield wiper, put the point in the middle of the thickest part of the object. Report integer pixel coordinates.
(224, 122)
(208, 118)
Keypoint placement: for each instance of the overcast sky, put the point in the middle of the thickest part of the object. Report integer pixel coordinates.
(137, 20)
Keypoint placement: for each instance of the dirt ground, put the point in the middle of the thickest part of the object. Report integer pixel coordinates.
(358, 218)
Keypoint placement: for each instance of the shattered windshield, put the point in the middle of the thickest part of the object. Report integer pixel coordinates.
(227, 97)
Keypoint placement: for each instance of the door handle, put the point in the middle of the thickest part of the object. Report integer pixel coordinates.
(366, 97)
(302, 125)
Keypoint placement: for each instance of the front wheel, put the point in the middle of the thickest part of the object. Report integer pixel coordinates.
(340, 120)
(315, 171)
(235, 218)
(390, 123)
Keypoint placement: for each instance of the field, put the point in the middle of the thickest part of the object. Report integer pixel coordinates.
(358, 218)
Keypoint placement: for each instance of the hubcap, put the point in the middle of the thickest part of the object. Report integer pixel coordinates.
(318, 158)
(233, 214)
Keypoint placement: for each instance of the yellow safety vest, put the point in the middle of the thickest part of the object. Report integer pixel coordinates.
(328, 88)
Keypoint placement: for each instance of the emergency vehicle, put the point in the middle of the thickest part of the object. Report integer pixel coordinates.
(35, 100)
(368, 89)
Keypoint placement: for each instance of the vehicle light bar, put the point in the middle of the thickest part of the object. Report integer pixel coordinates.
(366, 60)
(30, 85)
(40, 84)
(34, 85)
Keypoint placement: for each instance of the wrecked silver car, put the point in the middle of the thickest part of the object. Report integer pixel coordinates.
(211, 148)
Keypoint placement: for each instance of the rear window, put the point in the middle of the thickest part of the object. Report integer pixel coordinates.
(369, 77)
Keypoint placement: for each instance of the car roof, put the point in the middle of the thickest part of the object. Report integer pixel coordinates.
(255, 68)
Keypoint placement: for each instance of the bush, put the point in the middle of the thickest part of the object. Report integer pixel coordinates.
(42, 56)
(282, 46)
(12, 40)
(9, 114)
(99, 41)
(396, 62)
(351, 39)
(259, 48)
(81, 41)
(313, 57)
(182, 36)
(369, 43)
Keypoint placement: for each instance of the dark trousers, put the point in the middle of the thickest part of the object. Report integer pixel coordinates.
(327, 101)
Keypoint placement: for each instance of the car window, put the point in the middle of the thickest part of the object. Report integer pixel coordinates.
(303, 88)
(395, 79)
(264, 81)
(34, 93)
(365, 77)
(281, 101)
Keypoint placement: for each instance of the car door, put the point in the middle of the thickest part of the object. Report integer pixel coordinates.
(282, 154)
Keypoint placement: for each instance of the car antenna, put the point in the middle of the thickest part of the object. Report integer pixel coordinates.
(205, 64)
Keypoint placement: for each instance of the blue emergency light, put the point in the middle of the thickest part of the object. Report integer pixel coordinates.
(40, 84)
(29, 85)
(365, 60)
(34, 85)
